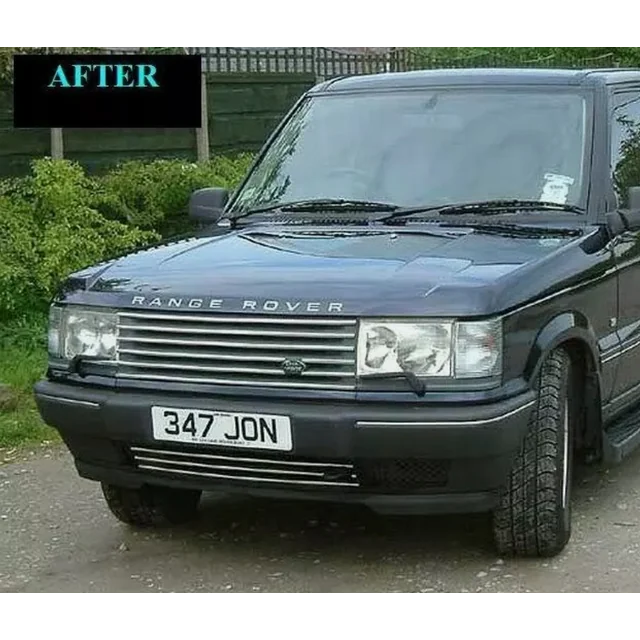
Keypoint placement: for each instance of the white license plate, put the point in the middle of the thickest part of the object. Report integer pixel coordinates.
(248, 430)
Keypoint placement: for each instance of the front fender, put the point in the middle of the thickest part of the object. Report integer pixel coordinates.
(569, 325)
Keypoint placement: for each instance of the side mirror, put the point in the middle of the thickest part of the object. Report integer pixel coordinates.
(626, 219)
(207, 205)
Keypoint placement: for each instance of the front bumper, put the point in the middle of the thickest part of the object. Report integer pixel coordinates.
(409, 458)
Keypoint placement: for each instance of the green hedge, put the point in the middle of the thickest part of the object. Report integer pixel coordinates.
(58, 219)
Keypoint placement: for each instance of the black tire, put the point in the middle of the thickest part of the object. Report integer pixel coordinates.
(151, 506)
(533, 518)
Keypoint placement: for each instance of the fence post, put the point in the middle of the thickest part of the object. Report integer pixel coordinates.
(57, 144)
(202, 134)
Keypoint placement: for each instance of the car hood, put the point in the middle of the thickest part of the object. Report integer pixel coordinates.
(438, 271)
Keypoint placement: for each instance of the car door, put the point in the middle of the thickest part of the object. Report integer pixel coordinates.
(625, 173)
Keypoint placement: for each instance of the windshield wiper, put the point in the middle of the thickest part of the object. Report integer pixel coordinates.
(338, 204)
(318, 205)
(484, 208)
(517, 230)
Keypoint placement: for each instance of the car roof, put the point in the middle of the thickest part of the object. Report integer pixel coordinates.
(485, 76)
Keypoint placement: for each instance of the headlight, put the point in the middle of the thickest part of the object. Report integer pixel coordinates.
(80, 331)
(431, 349)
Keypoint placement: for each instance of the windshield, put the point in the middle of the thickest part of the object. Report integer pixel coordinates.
(425, 148)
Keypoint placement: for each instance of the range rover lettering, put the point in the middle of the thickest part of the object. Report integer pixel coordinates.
(424, 297)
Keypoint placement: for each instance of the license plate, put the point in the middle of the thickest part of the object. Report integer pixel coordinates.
(247, 430)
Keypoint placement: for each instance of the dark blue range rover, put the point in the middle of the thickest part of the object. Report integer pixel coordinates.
(423, 297)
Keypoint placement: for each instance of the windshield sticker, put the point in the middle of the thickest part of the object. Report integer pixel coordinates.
(556, 188)
(550, 242)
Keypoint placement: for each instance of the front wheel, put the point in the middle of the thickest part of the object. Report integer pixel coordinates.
(151, 506)
(534, 514)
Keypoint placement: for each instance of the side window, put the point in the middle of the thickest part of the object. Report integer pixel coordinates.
(625, 144)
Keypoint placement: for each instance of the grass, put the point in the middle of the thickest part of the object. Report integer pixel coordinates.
(23, 361)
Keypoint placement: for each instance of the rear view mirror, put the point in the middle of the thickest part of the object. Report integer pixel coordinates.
(207, 205)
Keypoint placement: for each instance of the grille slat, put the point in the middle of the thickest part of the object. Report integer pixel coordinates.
(260, 470)
(236, 345)
(222, 467)
(145, 364)
(237, 320)
(226, 356)
(237, 350)
(222, 476)
(242, 383)
(236, 332)
(262, 461)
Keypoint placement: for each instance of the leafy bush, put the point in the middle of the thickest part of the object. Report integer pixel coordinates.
(154, 195)
(58, 220)
(48, 229)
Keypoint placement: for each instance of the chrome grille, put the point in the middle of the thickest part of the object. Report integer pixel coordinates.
(244, 468)
(236, 349)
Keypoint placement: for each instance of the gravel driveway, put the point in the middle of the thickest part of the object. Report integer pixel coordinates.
(56, 535)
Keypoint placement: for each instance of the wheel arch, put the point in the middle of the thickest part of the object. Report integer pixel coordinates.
(572, 331)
